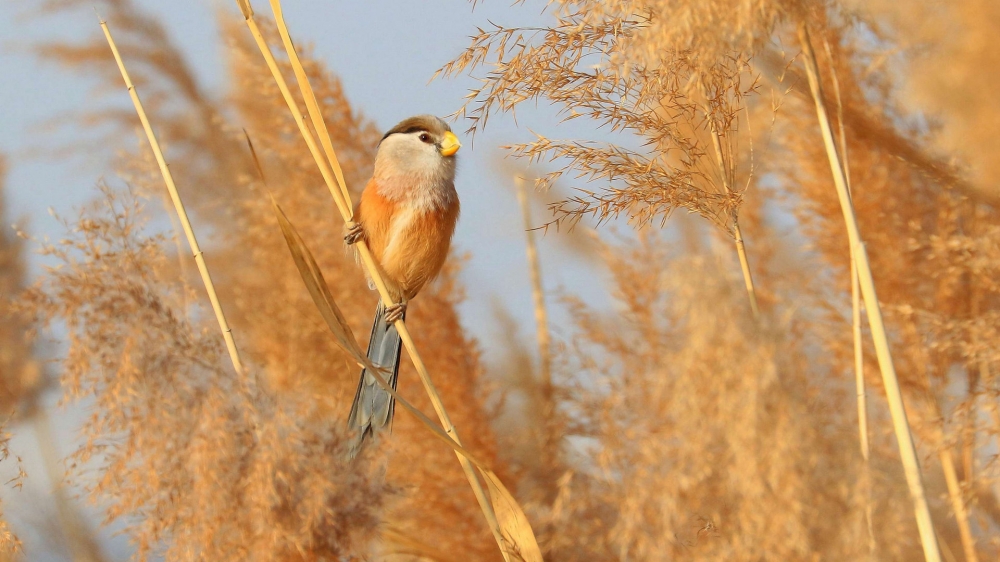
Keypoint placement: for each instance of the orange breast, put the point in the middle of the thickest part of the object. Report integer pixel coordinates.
(410, 243)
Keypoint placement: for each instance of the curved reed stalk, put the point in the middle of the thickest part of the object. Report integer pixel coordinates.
(908, 453)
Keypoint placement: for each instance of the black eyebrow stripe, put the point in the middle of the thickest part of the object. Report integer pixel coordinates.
(408, 130)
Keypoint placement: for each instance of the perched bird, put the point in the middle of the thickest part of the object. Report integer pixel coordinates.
(406, 215)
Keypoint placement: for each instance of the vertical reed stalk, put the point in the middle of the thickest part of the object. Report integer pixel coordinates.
(538, 297)
(341, 197)
(958, 504)
(901, 426)
(199, 256)
(312, 106)
(859, 384)
(859, 361)
(859, 356)
(542, 327)
(741, 250)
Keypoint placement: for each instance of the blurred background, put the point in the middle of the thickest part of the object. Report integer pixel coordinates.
(602, 344)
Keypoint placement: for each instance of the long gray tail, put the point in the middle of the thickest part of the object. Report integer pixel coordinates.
(373, 406)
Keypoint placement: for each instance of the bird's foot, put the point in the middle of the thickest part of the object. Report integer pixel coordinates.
(395, 312)
(353, 232)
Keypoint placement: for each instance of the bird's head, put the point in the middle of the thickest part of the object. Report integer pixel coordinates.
(419, 147)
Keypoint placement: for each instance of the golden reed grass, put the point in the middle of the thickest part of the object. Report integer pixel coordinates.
(684, 429)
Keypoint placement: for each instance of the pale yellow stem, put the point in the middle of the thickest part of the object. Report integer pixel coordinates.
(958, 504)
(549, 439)
(859, 364)
(859, 360)
(741, 250)
(904, 438)
(199, 257)
(859, 357)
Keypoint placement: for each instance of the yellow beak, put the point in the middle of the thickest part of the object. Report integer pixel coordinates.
(450, 144)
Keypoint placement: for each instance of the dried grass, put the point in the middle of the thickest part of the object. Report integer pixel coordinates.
(683, 430)
(280, 443)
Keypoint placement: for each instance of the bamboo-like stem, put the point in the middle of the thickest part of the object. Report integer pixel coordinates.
(958, 504)
(859, 356)
(862, 398)
(168, 179)
(741, 250)
(859, 363)
(341, 197)
(904, 438)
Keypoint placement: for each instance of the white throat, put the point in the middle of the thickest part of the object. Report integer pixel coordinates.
(407, 169)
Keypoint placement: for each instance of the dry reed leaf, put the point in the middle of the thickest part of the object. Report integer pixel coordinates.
(513, 522)
(318, 289)
(514, 527)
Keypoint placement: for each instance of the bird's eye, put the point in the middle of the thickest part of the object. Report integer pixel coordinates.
(424, 137)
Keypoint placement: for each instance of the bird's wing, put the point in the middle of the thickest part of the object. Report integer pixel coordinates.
(374, 214)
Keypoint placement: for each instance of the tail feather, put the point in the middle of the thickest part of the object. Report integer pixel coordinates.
(373, 406)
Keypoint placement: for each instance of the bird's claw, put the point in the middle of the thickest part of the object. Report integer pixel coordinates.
(353, 233)
(394, 312)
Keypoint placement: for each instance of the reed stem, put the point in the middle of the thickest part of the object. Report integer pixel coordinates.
(741, 250)
(901, 426)
(168, 179)
(859, 357)
(549, 439)
(537, 295)
(958, 504)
